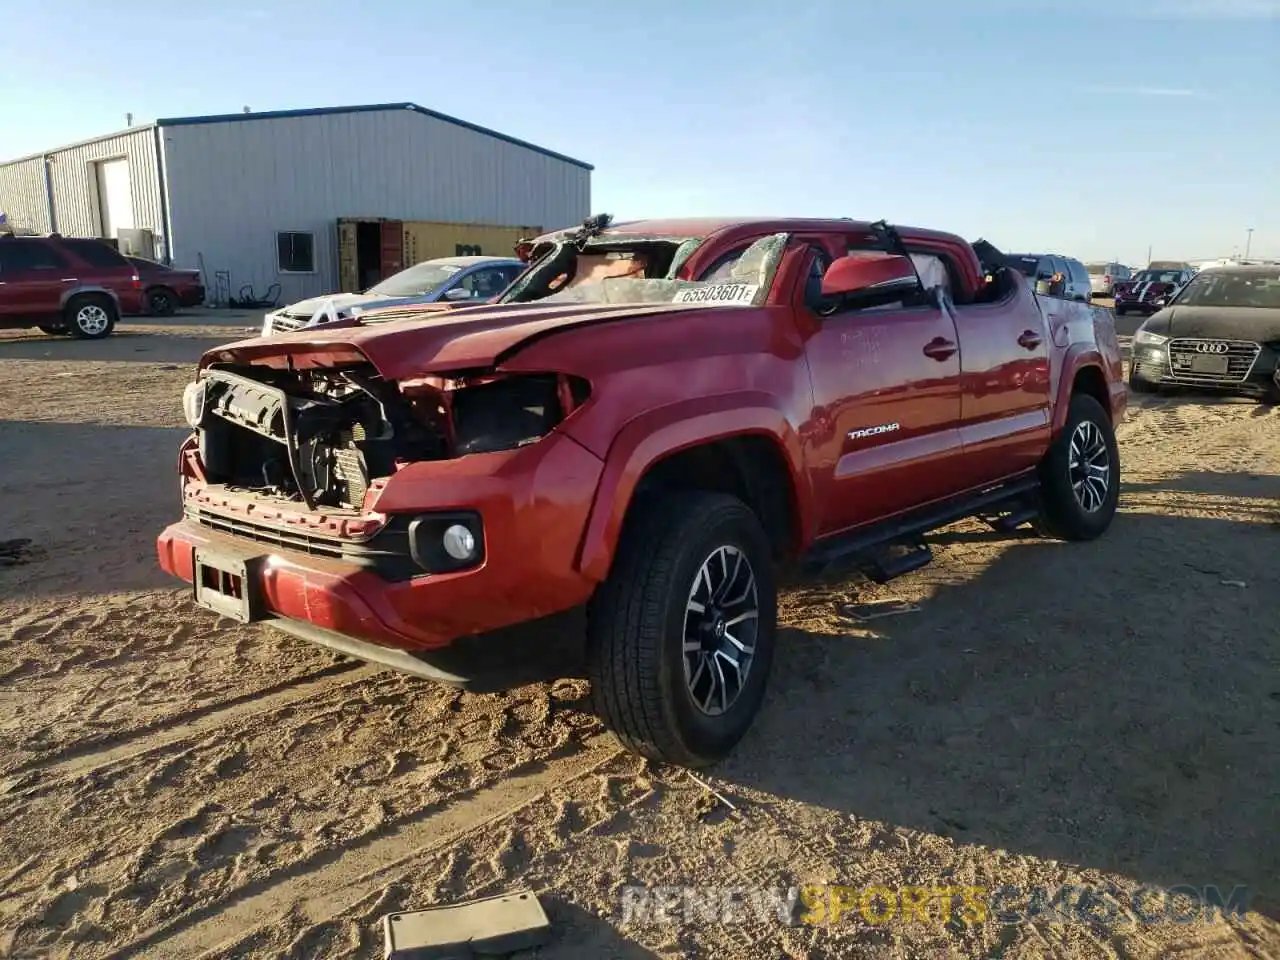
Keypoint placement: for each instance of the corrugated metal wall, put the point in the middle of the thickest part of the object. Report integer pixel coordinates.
(22, 194)
(75, 183)
(74, 178)
(233, 185)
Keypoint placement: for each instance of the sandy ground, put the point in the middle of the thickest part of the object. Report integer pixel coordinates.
(173, 785)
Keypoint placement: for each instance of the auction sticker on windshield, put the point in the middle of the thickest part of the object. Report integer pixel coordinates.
(741, 293)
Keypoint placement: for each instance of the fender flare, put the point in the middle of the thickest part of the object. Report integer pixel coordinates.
(67, 295)
(1077, 358)
(650, 437)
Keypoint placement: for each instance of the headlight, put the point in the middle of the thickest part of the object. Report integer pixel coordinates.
(193, 403)
(1148, 339)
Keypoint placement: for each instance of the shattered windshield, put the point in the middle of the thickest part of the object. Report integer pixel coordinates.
(419, 279)
(642, 271)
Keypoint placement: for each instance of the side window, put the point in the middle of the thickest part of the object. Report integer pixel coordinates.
(16, 255)
(819, 261)
(719, 271)
(509, 275)
(96, 254)
(1078, 271)
(484, 284)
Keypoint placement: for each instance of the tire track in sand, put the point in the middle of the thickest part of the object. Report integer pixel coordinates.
(308, 888)
(39, 777)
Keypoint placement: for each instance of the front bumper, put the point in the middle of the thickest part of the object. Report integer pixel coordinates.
(533, 502)
(1251, 369)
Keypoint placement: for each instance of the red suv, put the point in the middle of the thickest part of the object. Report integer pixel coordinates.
(65, 285)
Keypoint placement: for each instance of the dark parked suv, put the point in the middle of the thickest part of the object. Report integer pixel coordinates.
(1054, 275)
(65, 285)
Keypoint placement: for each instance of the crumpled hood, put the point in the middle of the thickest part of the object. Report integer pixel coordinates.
(1223, 323)
(415, 343)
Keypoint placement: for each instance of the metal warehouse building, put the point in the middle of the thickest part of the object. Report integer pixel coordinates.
(313, 200)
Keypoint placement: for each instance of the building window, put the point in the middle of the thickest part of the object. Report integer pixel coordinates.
(296, 252)
(467, 250)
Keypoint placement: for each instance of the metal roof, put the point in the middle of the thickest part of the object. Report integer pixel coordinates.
(313, 112)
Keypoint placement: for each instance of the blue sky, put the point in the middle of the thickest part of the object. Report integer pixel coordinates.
(1077, 128)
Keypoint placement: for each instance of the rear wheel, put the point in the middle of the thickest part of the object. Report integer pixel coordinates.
(1080, 475)
(681, 634)
(91, 316)
(162, 302)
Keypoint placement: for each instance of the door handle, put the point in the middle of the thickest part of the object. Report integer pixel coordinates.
(939, 348)
(1029, 339)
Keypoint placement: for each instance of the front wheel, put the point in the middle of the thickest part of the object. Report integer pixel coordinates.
(1080, 475)
(681, 634)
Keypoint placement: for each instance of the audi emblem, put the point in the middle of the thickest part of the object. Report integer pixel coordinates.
(1207, 347)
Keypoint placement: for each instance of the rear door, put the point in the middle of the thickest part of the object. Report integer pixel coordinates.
(1005, 380)
(33, 275)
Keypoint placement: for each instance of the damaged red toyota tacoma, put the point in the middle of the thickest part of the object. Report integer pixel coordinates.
(649, 422)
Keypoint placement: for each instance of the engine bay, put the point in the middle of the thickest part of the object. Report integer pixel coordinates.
(322, 436)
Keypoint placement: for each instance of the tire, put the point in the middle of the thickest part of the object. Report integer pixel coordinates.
(647, 688)
(1065, 513)
(90, 316)
(162, 302)
(1119, 311)
(54, 330)
(1139, 385)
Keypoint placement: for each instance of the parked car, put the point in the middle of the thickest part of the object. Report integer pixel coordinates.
(1054, 275)
(1221, 332)
(165, 289)
(64, 285)
(1150, 290)
(644, 423)
(1104, 276)
(450, 279)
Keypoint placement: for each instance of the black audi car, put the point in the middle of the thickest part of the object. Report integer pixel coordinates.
(1221, 332)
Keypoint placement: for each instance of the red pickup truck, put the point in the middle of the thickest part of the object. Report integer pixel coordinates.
(647, 422)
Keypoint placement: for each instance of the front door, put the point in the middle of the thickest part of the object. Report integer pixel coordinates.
(886, 382)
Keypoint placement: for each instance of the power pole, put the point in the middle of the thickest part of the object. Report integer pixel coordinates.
(1248, 241)
(1148, 255)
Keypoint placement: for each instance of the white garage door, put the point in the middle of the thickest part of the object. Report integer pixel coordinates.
(115, 196)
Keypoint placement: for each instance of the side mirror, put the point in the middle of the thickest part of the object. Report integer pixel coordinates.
(875, 275)
(455, 294)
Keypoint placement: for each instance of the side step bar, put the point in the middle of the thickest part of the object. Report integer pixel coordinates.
(860, 547)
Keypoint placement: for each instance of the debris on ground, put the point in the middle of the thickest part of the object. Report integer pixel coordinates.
(480, 928)
(875, 609)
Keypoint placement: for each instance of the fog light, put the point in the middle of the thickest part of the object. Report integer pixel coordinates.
(459, 542)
